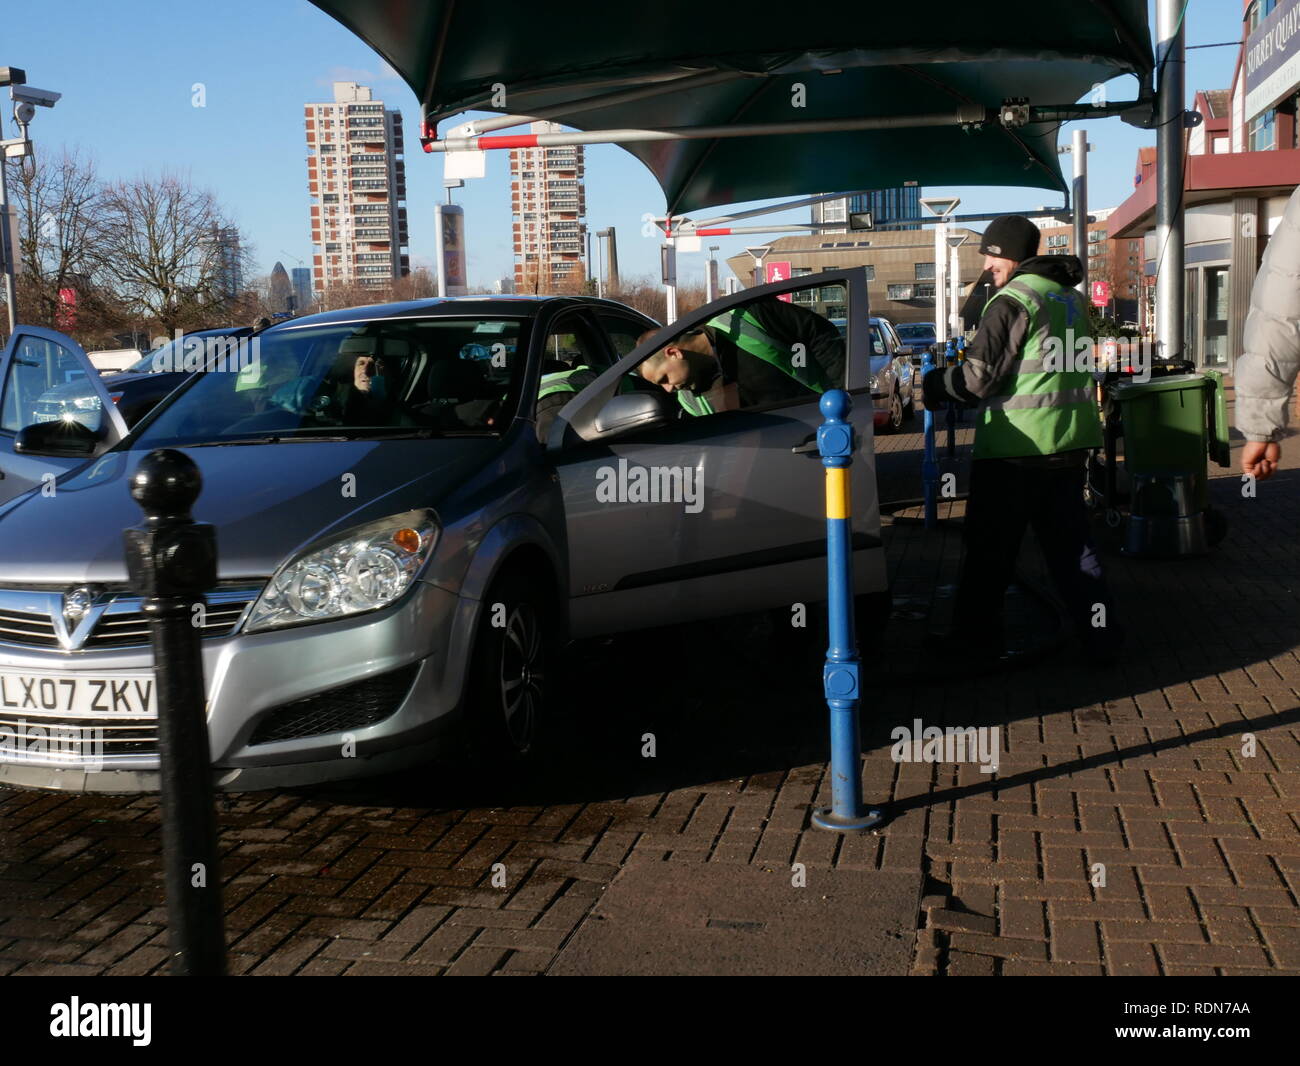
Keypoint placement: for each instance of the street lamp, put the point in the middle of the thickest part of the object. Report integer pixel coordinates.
(954, 272)
(758, 254)
(941, 207)
(26, 99)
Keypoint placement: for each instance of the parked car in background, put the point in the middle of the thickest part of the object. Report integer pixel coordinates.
(892, 375)
(919, 336)
(399, 554)
(112, 360)
(139, 387)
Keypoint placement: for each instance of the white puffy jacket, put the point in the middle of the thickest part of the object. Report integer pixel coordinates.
(1265, 373)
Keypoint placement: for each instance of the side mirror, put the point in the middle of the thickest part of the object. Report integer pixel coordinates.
(634, 410)
(905, 350)
(69, 440)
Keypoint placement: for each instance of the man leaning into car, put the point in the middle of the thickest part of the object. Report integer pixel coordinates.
(760, 353)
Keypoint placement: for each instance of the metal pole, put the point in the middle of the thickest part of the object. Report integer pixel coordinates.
(611, 269)
(930, 464)
(965, 115)
(8, 253)
(172, 560)
(785, 205)
(440, 251)
(954, 292)
(950, 359)
(941, 323)
(670, 279)
(1171, 91)
(600, 264)
(1080, 193)
(841, 681)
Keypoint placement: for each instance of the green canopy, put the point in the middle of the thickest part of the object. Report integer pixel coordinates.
(853, 59)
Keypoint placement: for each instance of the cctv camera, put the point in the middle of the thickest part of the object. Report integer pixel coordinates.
(28, 94)
(24, 113)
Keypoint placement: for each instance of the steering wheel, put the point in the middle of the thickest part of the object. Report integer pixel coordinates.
(303, 397)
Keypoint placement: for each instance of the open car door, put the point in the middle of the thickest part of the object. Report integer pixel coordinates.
(47, 377)
(713, 502)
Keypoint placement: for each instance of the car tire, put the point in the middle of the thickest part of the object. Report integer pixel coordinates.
(514, 675)
(895, 420)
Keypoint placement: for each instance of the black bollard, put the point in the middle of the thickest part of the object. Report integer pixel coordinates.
(172, 561)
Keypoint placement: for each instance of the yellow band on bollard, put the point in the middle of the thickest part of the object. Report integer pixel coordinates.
(837, 492)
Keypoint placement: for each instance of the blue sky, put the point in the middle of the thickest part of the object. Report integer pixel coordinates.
(126, 70)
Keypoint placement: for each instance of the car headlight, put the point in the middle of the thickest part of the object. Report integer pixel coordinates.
(361, 570)
(87, 403)
(875, 383)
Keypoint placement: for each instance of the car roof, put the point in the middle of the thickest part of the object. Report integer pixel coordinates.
(510, 305)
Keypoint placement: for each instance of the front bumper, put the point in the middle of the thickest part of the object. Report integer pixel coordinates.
(257, 678)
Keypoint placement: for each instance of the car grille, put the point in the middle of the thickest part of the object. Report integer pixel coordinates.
(67, 741)
(352, 706)
(122, 625)
(20, 627)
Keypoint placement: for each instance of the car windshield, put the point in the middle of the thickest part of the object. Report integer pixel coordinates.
(915, 331)
(436, 376)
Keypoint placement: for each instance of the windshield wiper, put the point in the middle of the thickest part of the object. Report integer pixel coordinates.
(257, 440)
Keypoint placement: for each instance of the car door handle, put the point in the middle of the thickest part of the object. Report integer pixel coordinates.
(808, 447)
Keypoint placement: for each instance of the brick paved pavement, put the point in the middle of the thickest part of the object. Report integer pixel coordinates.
(1140, 768)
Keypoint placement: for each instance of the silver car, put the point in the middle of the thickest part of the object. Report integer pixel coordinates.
(400, 555)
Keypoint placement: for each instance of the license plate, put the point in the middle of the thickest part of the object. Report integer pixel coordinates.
(126, 695)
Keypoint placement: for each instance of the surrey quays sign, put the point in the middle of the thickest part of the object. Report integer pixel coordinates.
(1273, 58)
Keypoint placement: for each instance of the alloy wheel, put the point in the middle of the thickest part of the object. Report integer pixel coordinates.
(522, 676)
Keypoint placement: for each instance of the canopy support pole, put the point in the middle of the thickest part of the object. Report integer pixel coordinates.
(1170, 93)
(1080, 152)
(965, 115)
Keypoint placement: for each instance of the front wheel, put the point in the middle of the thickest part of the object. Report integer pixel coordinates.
(895, 421)
(514, 674)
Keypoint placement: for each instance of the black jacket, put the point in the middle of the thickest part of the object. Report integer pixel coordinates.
(761, 383)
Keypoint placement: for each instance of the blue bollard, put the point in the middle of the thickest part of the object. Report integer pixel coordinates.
(930, 465)
(841, 681)
(950, 359)
(961, 358)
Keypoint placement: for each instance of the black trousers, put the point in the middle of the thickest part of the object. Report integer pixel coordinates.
(1005, 497)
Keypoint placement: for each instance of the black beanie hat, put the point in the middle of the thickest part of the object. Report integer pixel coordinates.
(1011, 237)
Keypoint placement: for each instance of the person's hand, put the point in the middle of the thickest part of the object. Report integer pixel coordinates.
(1260, 458)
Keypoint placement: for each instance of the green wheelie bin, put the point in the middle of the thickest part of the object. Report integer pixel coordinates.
(1172, 426)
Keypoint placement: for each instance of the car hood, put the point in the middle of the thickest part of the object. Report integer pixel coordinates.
(118, 378)
(265, 500)
(68, 391)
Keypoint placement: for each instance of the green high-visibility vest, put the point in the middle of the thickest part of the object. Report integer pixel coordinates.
(559, 381)
(1043, 406)
(693, 404)
(745, 332)
(748, 334)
